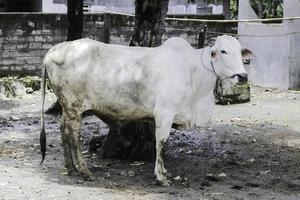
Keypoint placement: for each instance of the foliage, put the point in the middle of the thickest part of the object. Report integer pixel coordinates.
(263, 8)
(13, 86)
(267, 8)
(234, 8)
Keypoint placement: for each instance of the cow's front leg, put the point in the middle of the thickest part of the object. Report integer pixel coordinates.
(73, 126)
(162, 132)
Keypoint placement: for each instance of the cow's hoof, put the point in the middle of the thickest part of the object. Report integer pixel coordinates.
(165, 183)
(88, 177)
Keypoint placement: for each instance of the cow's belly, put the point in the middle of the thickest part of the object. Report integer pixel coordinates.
(121, 111)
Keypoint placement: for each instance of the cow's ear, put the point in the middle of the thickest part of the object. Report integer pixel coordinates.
(246, 52)
(213, 54)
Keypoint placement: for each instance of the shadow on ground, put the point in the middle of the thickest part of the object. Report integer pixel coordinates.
(232, 160)
(240, 160)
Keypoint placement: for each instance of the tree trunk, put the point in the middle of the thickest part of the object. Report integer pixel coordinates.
(75, 26)
(226, 9)
(75, 19)
(136, 140)
(149, 22)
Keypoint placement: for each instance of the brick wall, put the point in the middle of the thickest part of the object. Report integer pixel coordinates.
(26, 37)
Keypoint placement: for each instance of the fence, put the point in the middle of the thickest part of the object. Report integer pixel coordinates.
(26, 37)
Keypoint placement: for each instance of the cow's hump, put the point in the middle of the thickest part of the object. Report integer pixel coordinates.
(178, 44)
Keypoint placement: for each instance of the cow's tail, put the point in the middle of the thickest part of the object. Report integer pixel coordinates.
(43, 133)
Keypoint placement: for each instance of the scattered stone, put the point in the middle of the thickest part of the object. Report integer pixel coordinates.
(177, 178)
(265, 172)
(29, 90)
(107, 175)
(180, 150)
(222, 175)
(131, 173)
(217, 195)
(14, 118)
(97, 166)
(236, 119)
(137, 163)
(80, 181)
(123, 173)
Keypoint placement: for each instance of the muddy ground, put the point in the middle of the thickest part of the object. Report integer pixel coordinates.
(249, 151)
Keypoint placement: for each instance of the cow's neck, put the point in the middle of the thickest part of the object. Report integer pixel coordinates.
(205, 72)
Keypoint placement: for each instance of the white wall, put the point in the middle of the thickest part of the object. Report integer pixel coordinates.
(292, 8)
(128, 6)
(271, 46)
(50, 7)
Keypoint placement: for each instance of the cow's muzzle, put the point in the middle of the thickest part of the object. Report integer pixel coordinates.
(243, 77)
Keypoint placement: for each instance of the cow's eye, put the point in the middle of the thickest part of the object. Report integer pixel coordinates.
(223, 52)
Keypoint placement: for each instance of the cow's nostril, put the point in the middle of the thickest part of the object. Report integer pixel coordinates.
(243, 78)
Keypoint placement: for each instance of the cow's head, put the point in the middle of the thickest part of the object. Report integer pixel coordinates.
(226, 56)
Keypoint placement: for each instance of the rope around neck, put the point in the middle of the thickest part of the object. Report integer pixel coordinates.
(218, 90)
(212, 66)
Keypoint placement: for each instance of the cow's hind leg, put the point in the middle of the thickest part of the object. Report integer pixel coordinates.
(72, 124)
(65, 135)
(163, 125)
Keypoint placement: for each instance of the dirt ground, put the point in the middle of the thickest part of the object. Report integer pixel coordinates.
(249, 151)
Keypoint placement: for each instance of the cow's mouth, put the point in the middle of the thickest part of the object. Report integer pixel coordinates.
(242, 78)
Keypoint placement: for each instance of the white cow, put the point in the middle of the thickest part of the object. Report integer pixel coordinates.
(172, 83)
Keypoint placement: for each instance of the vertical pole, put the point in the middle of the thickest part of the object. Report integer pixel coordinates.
(202, 35)
(106, 33)
(75, 19)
